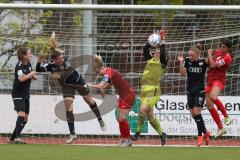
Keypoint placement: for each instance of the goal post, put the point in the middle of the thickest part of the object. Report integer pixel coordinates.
(117, 33)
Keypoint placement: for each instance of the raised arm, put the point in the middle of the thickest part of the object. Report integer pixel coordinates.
(146, 52)
(226, 60)
(211, 61)
(182, 68)
(39, 67)
(163, 58)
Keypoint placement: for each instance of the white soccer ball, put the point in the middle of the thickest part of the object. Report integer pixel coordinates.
(154, 40)
(132, 114)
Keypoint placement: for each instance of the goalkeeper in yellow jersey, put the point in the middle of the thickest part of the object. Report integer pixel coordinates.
(150, 84)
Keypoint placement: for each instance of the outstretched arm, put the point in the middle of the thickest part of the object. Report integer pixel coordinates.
(101, 86)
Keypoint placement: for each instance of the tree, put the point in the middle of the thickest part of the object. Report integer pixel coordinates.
(159, 2)
(31, 28)
(212, 2)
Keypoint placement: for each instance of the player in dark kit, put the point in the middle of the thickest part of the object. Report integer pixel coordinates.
(195, 68)
(20, 93)
(70, 81)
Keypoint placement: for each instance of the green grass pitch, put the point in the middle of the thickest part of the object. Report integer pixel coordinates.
(76, 152)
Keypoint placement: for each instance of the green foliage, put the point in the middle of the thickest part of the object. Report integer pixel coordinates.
(159, 14)
(19, 24)
(39, 45)
(158, 2)
(5, 1)
(212, 2)
(14, 27)
(45, 16)
(77, 19)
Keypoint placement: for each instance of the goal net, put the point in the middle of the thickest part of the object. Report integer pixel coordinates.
(118, 35)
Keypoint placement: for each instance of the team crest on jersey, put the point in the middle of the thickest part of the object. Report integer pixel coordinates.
(221, 62)
(106, 78)
(62, 67)
(200, 99)
(200, 63)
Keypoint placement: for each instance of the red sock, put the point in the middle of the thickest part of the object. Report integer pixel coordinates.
(124, 129)
(220, 106)
(216, 118)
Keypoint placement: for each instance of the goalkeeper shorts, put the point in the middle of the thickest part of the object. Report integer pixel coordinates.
(150, 95)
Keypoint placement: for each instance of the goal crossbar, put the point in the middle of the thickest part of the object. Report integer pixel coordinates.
(120, 7)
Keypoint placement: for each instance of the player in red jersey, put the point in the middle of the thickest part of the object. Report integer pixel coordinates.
(219, 62)
(112, 77)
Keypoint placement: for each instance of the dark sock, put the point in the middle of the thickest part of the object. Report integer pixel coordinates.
(13, 136)
(70, 120)
(96, 111)
(19, 126)
(199, 122)
(204, 130)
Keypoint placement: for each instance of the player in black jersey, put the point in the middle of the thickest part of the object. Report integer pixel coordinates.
(70, 81)
(20, 93)
(195, 68)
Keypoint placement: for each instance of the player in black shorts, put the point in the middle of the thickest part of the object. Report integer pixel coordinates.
(20, 93)
(195, 68)
(70, 81)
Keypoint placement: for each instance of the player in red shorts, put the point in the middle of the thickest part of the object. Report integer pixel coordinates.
(112, 77)
(219, 62)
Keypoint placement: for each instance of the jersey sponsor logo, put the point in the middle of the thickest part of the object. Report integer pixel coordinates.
(195, 69)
